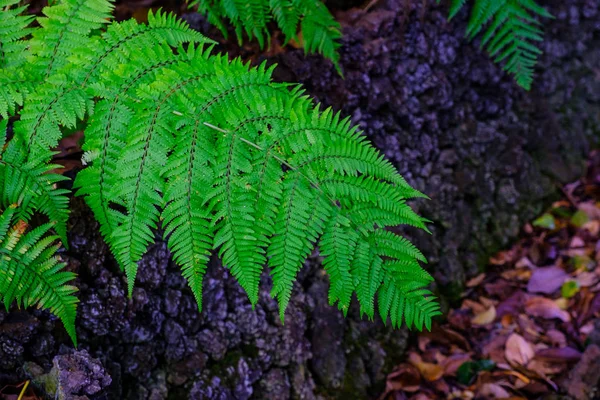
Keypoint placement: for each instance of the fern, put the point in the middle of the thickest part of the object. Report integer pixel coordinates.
(511, 34)
(30, 273)
(320, 31)
(216, 154)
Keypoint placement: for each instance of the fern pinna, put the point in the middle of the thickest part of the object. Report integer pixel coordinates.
(320, 32)
(210, 150)
(511, 34)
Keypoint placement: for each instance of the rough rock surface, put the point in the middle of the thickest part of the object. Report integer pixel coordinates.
(487, 153)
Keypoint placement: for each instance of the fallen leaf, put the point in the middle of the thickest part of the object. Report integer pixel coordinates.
(563, 354)
(468, 370)
(546, 221)
(429, 371)
(518, 350)
(545, 308)
(454, 362)
(544, 368)
(486, 317)
(593, 227)
(569, 289)
(492, 390)
(475, 281)
(476, 307)
(513, 304)
(494, 349)
(581, 261)
(579, 218)
(590, 209)
(556, 338)
(546, 280)
(587, 279)
(405, 377)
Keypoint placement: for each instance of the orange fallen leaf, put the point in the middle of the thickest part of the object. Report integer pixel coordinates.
(518, 350)
(429, 371)
(475, 281)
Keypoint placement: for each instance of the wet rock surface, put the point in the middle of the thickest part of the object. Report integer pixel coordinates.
(488, 154)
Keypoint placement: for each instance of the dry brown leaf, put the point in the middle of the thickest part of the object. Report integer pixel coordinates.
(405, 377)
(486, 317)
(545, 308)
(476, 307)
(429, 371)
(475, 281)
(518, 350)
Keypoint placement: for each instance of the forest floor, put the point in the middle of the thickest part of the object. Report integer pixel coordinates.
(527, 327)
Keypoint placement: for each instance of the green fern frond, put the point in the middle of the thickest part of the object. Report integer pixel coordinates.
(14, 84)
(217, 155)
(65, 28)
(14, 27)
(320, 31)
(31, 273)
(513, 29)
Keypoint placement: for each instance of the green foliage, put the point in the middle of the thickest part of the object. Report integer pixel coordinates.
(30, 273)
(209, 150)
(320, 31)
(511, 33)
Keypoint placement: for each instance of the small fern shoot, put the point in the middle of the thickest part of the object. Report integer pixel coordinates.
(215, 154)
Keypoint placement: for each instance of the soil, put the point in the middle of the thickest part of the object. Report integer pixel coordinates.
(490, 155)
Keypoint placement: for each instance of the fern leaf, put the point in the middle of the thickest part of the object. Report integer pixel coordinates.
(337, 245)
(13, 28)
(33, 187)
(320, 31)
(31, 273)
(298, 225)
(287, 15)
(65, 27)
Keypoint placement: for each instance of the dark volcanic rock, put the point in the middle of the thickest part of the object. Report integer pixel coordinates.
(487, 153)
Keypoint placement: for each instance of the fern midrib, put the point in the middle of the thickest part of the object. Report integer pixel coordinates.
(94, 66)
(65, 26)
(43, 115)
(121, 42)
(107, 133)
(144, 157)
(268, 151)
(45, 188)
(18, 258)
(288, 217)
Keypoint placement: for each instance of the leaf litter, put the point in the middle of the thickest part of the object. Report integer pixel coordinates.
(529, 326)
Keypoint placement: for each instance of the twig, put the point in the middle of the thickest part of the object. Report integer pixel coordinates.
(23, 390)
